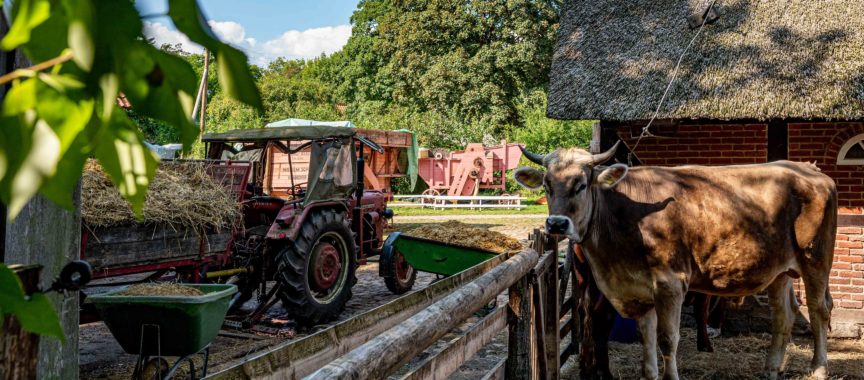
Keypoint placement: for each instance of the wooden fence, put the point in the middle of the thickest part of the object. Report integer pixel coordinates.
(377, 343)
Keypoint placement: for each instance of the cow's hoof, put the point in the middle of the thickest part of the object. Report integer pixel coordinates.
(820, 373)
(772, 375)
(707, 348)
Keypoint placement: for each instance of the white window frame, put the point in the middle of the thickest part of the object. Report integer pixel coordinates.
(841, 157)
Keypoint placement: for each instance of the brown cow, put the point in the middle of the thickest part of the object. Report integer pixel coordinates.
(650, 234)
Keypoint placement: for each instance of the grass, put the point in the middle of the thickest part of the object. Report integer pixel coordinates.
(413, 211)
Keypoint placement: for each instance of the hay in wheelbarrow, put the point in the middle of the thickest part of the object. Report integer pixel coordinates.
(160, 289)
(454, 232)
(181, 195)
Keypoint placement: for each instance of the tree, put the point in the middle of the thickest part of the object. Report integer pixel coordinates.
(53, 120)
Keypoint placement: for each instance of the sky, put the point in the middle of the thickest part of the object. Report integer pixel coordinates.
(263, 29)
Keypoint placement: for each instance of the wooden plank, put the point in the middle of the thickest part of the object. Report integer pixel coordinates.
(462, 348)
(111, 255)
(299, 358)
(381, 356)
(565, 328)
(566, 306)
(551, 304)
(519, 330)
(497, 372)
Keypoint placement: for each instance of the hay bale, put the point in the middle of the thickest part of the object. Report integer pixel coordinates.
(181, 195)
(453, 232)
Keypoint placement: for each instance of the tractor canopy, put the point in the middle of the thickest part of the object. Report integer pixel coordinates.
(331, 162)
(306, 132)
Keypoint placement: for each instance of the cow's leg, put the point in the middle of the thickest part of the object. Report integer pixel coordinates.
(701, 309)
(648, 331)
(604, 319)
(668, 299)
(783, 308)
(819, 306)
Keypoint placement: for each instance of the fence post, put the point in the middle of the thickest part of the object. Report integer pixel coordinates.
(551, 306)
(519, 315)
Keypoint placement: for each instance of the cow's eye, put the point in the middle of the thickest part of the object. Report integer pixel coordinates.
(581, 187)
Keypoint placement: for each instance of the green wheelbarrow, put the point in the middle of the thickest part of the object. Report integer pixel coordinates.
(156, 326)
(403, 255)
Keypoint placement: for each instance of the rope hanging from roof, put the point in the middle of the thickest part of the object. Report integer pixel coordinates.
(645, 131)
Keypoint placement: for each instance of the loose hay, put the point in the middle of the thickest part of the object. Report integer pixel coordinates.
(453, 232)
(161, 289)
(180, 195)
(737, 357)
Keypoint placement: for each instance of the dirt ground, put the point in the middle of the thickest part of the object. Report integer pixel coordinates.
(738, 357)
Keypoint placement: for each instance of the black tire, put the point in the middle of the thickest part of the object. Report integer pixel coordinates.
(301, 295)
(402, 275)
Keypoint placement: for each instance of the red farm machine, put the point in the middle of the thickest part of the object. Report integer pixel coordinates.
(308, 219)
(465, 173)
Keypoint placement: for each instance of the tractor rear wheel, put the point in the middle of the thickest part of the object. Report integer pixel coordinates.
(318, 270)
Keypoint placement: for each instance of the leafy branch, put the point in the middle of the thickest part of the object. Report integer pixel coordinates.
(52, 121)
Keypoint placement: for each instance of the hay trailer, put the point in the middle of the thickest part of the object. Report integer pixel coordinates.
(307, 236)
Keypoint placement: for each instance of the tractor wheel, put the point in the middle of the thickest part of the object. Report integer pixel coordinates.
(403, 274)
(318, 270)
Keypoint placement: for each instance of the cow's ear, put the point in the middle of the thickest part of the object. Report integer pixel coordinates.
(529, 178)
(611, 176)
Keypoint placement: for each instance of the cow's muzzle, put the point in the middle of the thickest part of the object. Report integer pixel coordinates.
(559, 225)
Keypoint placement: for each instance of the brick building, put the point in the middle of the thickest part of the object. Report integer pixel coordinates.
(763, 81)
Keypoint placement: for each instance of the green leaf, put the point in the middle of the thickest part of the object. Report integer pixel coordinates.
(40, 162)
(170, 89)
(110, 85)
(235, 78)
(127, 161)
(80, 36)
(11, 293)
(233, 68)
(36, 315)
(26, 15)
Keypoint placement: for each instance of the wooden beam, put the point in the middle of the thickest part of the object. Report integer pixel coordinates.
(385, 353)
(299, 358)
(462, 348)
(519, 330)
(549, 282)
(497, 372)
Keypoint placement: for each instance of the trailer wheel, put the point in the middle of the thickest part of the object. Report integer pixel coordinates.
(318, 270)
(402, 275)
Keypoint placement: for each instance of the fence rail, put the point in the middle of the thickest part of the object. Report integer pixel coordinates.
(378, 343)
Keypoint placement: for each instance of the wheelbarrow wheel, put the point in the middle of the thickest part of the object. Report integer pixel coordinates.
(319, 269)
(401, 274)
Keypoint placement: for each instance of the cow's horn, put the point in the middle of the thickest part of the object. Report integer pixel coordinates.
(600, 158)
(533, 157)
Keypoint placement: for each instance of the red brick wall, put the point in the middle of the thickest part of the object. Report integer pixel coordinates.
(701, 144)
(747, 144)
(821, 142)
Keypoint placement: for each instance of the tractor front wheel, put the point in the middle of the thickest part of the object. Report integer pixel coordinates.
(318, 270)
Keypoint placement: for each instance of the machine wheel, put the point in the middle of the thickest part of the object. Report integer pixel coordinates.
(403, 274)
(318, 270)
(426, 197)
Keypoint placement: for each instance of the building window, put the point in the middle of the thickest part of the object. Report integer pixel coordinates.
(852, 153)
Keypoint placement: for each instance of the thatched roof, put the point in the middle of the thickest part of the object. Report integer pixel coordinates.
(760, 59)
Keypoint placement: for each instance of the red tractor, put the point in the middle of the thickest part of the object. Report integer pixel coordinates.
(308, 231)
